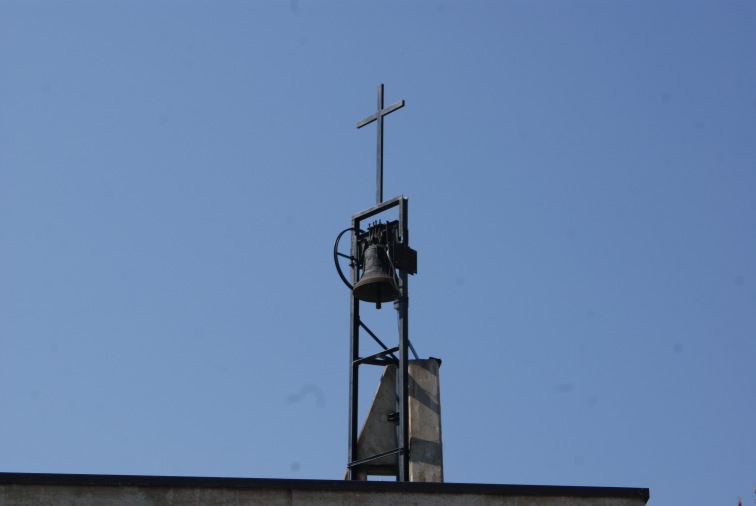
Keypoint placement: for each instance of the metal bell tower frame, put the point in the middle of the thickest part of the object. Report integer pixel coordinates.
(386, 357)
(397, 355)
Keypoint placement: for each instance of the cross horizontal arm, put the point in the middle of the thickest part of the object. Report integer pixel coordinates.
(382, 112)
(367, 120)
(393, 107)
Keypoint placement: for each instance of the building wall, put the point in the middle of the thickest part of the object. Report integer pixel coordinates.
(93, 490)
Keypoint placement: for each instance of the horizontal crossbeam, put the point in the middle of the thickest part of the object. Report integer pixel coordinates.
(375, 457)
(379, 358)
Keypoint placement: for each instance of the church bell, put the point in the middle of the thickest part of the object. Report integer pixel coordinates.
(378, 282)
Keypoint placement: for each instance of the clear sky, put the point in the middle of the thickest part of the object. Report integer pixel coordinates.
(582, 190)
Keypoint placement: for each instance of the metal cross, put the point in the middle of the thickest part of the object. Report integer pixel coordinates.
(378, 116)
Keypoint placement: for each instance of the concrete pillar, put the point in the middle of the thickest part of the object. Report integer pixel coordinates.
(426, 450)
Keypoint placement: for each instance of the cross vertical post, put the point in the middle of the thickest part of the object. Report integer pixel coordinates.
(378, 117)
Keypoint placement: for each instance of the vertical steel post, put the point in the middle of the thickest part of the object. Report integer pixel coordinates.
(402, 371)
(354, 354)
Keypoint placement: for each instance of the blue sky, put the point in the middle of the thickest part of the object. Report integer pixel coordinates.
(581, 187)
